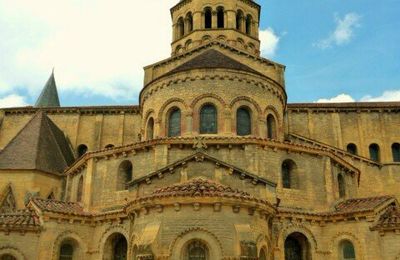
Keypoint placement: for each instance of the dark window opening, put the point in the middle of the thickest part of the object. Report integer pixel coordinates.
(174, 123)
(207, 18)
(352, 148)
(66, 252)
(374, 152)
(82, 149)
(396, 152)
(342, 186)
(208, 120)
(243, 121)
(220, 17)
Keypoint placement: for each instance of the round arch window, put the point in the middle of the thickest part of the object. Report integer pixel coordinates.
(196, 250)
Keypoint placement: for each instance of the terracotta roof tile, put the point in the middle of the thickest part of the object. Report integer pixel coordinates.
(56, 206)
(361, 204)
(389, 220)
(201, 187)
(22, 218)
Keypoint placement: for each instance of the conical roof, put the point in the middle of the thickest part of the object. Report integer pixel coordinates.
(40, 145)
(49, 95)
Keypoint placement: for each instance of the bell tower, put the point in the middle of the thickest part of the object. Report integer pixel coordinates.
(231, 22)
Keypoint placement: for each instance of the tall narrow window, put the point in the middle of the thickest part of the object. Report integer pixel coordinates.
(207, 18)
(289, 175)
(374, 152)
(82, 149)
(196, 250)
(239, 19)
(352, 148)
(347, 250)
(189, 20)
(79, 190)
(150, 129)
(124, 174)
(220, 17)
(66, 252)
(208, 120)
(181, 28)
(396, 152)
(249, 21)
(271, 127)
(243, 121)
(342, 186)
(174, 122)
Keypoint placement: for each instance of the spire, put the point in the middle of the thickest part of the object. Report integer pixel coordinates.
(49, 95)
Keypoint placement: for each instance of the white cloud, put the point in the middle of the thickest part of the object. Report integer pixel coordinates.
(12, 100)
(341, 98)
(343, 33)
(269, 42)
(386, 96)
(97, 47)
(389, 95)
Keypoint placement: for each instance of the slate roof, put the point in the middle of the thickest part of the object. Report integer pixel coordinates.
(49, 95)
(213, 59)
(55, 206)
(22, 218)
(40, 145)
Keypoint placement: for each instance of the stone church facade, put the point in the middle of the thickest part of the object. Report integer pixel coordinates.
(213, 163)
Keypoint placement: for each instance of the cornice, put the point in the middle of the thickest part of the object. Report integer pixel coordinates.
(217, 141)
(355, 107)
(74, 110)
(334, 150)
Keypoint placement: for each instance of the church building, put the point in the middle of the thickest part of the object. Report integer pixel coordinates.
(212, 164)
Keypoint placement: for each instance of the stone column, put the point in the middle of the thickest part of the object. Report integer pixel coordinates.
(214, 20)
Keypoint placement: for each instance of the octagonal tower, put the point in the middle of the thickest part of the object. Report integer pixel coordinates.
(234, 22)
(215, 83)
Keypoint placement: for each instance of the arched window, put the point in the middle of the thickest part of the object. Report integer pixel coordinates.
(150, 129)
(271, 127)
(374, 152)
(341, 185)
(396, 152)
(289, 178)
(239, 19)
(174, 122)
(297, 247)
(249, 21)
(124, 174)
(352, 148)
(82, 149)
(66, 252)
(243, 121)
(181, 27)
(79, 192)
(7, 257)
(189, 20)
(208, 120)
(207, 18)
(220, 17)
(196, 250)
(347, 251)
(120, 248)
(263, 255)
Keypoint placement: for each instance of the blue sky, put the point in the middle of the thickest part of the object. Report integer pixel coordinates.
(334, 50)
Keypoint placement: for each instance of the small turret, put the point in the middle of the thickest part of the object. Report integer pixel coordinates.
(49, 95)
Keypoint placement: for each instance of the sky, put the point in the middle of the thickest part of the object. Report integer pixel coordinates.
(333, 50)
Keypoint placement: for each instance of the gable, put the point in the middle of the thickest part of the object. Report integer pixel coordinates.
(7, 200)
